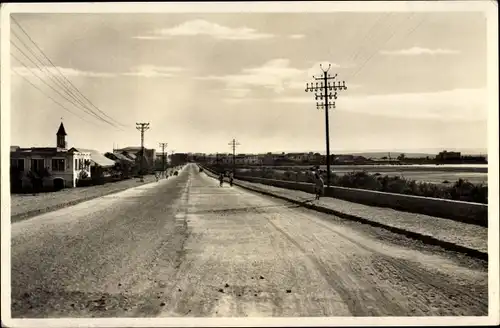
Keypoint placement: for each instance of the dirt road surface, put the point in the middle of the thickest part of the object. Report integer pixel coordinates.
(186, 247)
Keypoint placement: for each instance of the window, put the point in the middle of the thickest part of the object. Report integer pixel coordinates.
(58, 164)
(80, 164)
(76, 164)
(37, 164)
(17, 163)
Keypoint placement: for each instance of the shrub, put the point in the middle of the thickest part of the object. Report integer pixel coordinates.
(461, 190)
(84, 182)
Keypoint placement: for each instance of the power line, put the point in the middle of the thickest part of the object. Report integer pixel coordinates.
(45, 82)
(142, 127)
(372, 31)
(233, 144)
(391, 36)
(50, 86)
(48, 59)
(41, 79)
(43, 67)
(323, 93)
(58, 103)
(163, 145)
(74, 87)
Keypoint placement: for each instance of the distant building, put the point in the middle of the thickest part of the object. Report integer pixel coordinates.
(178, 158)
(97, 160)
(135, 153)
(244, 159)
(448, 155)
(57, 166)
(300, 157)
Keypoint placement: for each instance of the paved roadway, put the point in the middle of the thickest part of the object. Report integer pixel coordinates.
(186, 247)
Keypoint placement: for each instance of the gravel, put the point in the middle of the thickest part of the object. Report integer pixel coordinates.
(24, 206)
(462, 234)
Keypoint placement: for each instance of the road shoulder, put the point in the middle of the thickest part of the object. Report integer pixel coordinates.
(25, 206)
(451, 235)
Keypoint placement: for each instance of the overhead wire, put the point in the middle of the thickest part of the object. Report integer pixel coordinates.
(48, 96)
(45, 81)
(50, 75)
(72, 93)
(369, 36)
(391, 36)
(56, 68)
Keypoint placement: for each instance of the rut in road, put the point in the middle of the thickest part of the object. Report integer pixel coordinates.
(421, 290)
(186, 247)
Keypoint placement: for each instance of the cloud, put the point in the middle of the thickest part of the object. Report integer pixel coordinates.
(238, 92)
(153, 71)
(45, 72)
(296, 36)
(415, 51)
(458, 104)
(203, 27)
(276, 74)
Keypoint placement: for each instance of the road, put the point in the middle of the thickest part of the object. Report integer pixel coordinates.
(186, 247)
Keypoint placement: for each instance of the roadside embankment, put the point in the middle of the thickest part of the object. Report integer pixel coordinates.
(470, 239)
(24, 206)
(465, 211)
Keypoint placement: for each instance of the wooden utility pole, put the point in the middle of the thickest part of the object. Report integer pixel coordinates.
(172, 157)
(233, 144)
(323, 93)
(142, 127)
(163, 145)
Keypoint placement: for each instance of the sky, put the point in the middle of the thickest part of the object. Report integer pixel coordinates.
(415, 81)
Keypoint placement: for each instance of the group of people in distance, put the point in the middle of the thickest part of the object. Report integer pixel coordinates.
(319, 184)
(231, 178)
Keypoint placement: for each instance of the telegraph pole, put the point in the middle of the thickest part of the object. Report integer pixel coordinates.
(163, 145)
(233, 144)
(323, 93)
(142, 127)
(172, 157)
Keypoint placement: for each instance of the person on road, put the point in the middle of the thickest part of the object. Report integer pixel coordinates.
(231, 178)
(156, 176)
(319, 185)
(221, 179)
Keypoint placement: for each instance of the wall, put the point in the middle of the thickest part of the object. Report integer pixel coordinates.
(466, 212)
(67, 175)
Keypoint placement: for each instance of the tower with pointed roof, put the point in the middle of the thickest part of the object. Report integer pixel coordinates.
(61, 137)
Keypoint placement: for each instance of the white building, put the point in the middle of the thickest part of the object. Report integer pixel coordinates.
(58, 166)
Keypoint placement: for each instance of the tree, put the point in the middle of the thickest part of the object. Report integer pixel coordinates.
(401, 157)
(15, 178)
(83, 175)
(36, 177)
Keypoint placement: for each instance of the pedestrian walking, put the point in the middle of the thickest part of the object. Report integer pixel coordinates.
(319, 186)
(231, 178)
(221, 179)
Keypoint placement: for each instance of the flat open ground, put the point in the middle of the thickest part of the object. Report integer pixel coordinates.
(187, 247)
(422, 174)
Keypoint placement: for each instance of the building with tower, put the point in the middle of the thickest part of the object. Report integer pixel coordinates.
(58, 167)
